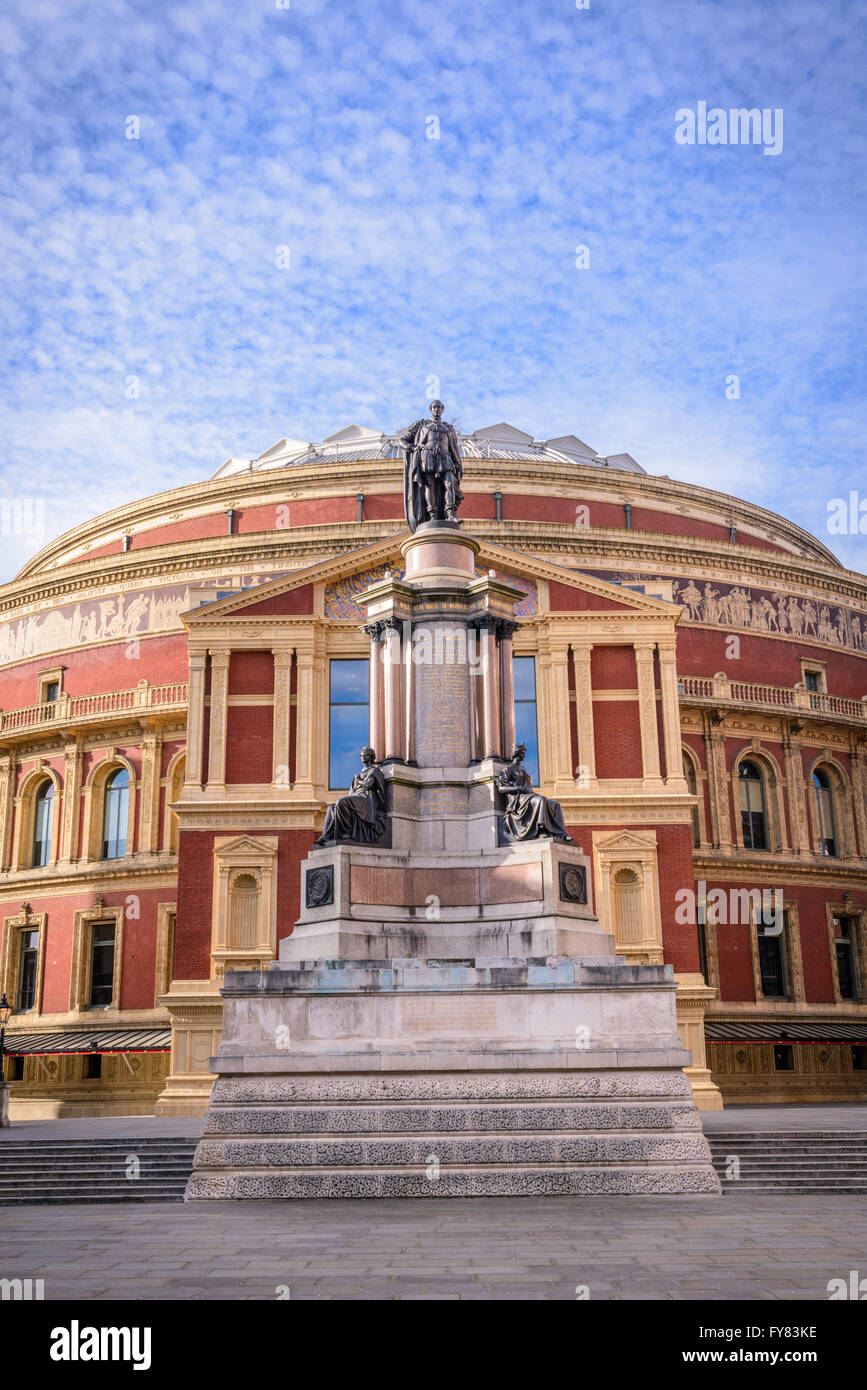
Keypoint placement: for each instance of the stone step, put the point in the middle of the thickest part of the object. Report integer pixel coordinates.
(87, 1171)
(516, 1180)
(390, 1151)
(438, 1118)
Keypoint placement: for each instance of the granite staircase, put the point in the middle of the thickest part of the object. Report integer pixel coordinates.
(57, 1171)
(809, 1161)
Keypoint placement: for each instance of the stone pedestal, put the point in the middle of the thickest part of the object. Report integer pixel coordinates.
(500, 1078)
(448, 1017)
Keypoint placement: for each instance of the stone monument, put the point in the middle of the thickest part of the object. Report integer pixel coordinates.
(448, 1017)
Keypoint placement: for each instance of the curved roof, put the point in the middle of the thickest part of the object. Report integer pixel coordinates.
(355, 443)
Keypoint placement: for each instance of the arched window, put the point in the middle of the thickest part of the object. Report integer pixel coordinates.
(754, 821)
(114, 815)
(825, 813)
(43, 808)
(689, 775)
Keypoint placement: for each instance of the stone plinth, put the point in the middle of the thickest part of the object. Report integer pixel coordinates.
(498, 1078)
(531, 899)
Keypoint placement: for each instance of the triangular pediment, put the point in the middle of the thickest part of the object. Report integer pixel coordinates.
(354, 434)
(356, 569)
(245, 846)
(502, 434)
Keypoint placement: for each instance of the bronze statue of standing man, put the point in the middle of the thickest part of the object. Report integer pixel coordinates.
(432, 470)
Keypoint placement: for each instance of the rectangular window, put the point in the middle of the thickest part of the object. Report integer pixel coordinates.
(27, 963)
(18, 1068)
(526, 729)
(93, 1069)
(844, 946)
(771, 966)
(784, 1057)
(859, 1057)
(51, 692)
(101, 965)
(348, 720)
(811, 680)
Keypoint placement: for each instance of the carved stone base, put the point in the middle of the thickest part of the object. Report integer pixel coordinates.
(196, 1013)
(362, 903)
(512, 1077)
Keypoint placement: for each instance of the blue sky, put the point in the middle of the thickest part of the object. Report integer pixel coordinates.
(306, 127)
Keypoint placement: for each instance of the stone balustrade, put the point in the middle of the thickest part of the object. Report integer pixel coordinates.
(75, 709)
(720, 689)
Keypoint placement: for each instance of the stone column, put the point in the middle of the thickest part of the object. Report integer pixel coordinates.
(507, 688)
(195, 720)
(693, 997)
(73, 755)
(408, 702)
(795, 780)
(219, 708)
(859, 786)
(718, 793)
(282, 707)
(377, 690)
(647, 712)
(7, 793)
(393, 683)
(304, 721)
(670, 715)
(584, 713)
(152, 751)
(490, 691)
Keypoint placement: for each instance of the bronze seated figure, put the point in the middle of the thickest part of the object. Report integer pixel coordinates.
(359, 817)
(528, 815)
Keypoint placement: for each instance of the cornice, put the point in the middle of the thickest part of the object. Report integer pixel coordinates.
(587, 548)
(327, 477)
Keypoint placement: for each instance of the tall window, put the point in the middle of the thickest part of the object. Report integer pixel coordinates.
(771, 966)
(114, 815)
(349, 720)
(526, 730)
(689, 775)
(101, 965)
(42, 814)
(754, 821)
(844, 946)
(27, 963)
(825, 813)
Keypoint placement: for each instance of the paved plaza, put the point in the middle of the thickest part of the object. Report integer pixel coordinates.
(736, 1247)
(740, 1246)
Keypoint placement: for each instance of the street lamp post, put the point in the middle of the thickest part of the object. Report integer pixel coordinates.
(5, 1015)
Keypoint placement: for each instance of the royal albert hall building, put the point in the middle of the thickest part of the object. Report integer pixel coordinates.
(184, 686)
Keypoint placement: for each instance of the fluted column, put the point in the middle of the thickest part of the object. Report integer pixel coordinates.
(219, 710)
(282, 715)
(670, 715)
(195, 720)
(859, 785)
(73, 755)
(561, 724)
(647, 712)
(584, 713)
(720, 817)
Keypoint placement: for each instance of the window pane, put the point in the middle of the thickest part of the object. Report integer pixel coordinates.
(349, 720)
(526, 731)
(350, 682)
(42, 825)
(525, 677)
(102, 965)
(115, 813)
(27, 970)
(771, 967)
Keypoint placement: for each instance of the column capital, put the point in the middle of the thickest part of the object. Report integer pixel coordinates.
(220, 657)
